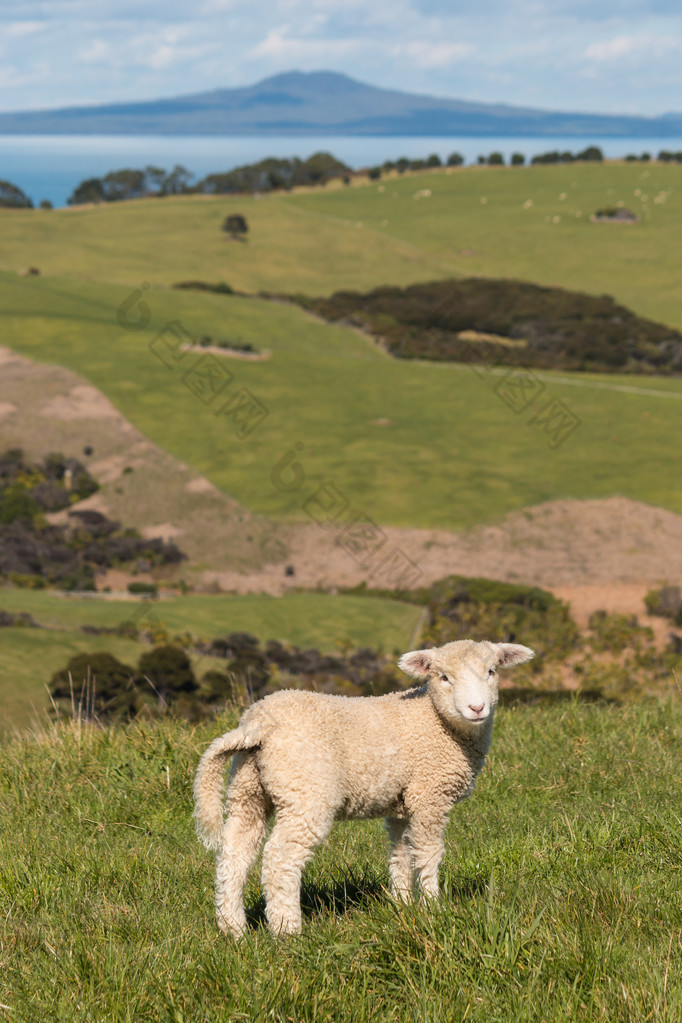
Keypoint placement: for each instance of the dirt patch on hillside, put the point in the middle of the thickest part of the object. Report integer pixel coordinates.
(47, 408)
(604, 543)
(82, 402)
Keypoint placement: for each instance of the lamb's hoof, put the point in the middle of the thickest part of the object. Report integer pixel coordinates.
(284, 928)
(232, 928)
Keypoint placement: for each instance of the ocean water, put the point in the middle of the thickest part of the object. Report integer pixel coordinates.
(50, 166)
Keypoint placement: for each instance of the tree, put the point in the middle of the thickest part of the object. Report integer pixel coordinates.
(12, 196)
(455, 160)
(592, 153)
(176, 182)
(45, 204)
(496, 160)
(236, 226)
(124, 184)
(90, 190)
(518, 160)
(434, 160)
(374, 173)
(155, 178)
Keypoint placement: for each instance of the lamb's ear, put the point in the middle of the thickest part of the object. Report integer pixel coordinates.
(509, 654)
(416, 664)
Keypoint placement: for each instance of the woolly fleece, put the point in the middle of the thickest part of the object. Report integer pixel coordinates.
(314, 758)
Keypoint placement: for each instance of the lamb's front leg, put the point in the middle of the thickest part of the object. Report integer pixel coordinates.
(428, 850)
(400, 861)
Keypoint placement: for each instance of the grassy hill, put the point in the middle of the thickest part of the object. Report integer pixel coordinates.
(29, 657)
(508, 222)
(411, 444)
(561, 887)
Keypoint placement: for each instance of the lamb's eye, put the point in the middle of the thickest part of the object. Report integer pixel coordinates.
(491, 671)
(444, 678)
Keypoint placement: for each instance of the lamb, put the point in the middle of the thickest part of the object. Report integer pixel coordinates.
(313, 759)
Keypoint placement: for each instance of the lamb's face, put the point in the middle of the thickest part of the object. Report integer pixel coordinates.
(462, 676)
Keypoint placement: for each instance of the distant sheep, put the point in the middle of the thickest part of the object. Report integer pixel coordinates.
(314, 759)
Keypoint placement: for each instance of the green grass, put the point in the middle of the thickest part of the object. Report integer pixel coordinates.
(322, 240)
(29, 657)
(561, 888)
(453, 454)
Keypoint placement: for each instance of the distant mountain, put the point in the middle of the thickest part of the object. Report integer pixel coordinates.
(325, 103)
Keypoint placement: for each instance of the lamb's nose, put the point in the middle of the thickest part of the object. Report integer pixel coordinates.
(476, 710)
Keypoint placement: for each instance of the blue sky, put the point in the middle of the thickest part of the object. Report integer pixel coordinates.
(592, 55)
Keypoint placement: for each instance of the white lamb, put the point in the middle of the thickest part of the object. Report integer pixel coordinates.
(313, 759)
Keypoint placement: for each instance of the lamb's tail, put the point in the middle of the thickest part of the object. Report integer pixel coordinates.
(209, 784)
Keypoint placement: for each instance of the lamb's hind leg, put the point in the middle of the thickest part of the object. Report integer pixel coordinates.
(289, 847)
(400, 862)
(242, 836)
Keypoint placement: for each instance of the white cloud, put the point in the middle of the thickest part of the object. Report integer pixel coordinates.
(279, 44)
(431, 54)
(96, 52)
(628, 45)
(156, 50)
(17, 29)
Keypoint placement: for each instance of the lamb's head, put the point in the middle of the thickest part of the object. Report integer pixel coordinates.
(462, 677)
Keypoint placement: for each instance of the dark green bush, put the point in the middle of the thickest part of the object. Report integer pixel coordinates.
(150, 589)
(96, 686)
(555, 328)
(169, 671)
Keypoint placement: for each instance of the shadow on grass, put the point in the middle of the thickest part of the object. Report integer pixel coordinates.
(462, 889)
(335, 897)
(357, 891)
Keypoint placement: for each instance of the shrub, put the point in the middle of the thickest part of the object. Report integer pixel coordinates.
(614, 632)
(221, 288)
(169, 671)
(150, 589)
(62, 556)
(97, 686)
(462, 608)
(666, 602)
(374, 173)
(559, 329)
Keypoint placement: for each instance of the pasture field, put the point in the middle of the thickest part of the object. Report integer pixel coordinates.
(476, 221)
(561, 887)
(29, 657)
(409, 444)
